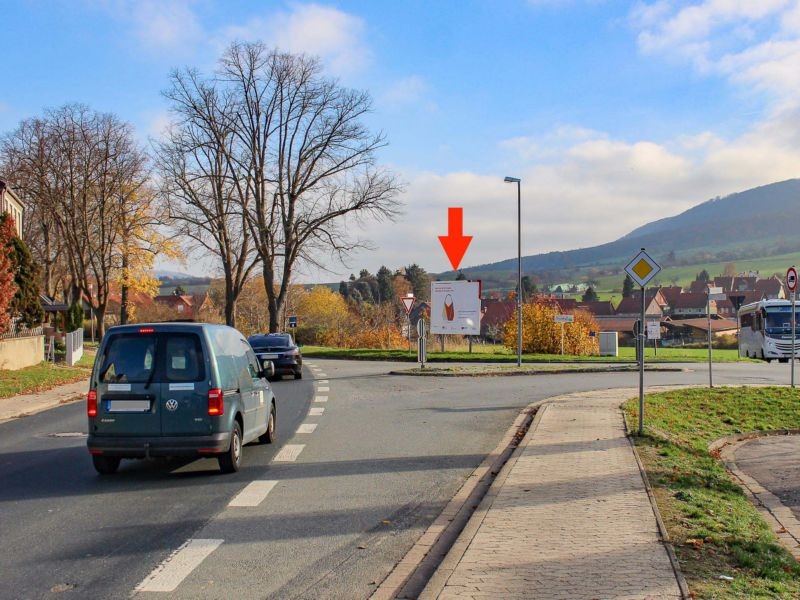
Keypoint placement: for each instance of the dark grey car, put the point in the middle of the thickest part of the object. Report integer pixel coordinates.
(177, 389)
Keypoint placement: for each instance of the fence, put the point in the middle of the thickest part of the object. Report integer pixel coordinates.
(16, 331)
(74, 343)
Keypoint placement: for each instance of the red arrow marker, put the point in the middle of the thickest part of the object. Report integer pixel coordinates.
(455, 243)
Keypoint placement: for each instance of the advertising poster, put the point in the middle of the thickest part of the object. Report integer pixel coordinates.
(456, 307)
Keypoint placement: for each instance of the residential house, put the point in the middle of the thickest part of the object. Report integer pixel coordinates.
(632, 305)
(671, 294)
(496, 313)
(11, 204)
(597, 308)
(694, 331)
(692, 305)
(771, 289)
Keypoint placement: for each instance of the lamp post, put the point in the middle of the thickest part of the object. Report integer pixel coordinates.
(519, 266)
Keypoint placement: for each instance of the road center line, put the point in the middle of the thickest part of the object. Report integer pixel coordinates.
(253, 494)
(315, 412)
(323, 388)
(320, 399)
(289, 453)
(169, 574)
(307, 428)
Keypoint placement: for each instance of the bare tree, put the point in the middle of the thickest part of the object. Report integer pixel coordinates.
(200, 185)
(307, 159)
(26, 161)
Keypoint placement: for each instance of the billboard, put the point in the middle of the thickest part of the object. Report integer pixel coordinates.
(456, 307)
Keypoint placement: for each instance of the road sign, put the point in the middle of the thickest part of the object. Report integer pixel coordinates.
(564, 318)
(716, 293)
(653, 330)
(408, 302)
(292, 321)
(642, 268)
(791, 279)
(421, 328)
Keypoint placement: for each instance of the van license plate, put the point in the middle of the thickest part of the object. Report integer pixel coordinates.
(268, 356)
(128, 405)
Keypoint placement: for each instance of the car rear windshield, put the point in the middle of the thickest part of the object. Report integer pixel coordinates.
(269, 342)
(130, 358)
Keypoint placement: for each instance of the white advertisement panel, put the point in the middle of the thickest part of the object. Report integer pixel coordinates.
(456, 307)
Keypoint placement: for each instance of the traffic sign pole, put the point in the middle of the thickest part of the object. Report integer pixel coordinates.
(794, 333)
(791, 283)
(708, 314)
(640, 341)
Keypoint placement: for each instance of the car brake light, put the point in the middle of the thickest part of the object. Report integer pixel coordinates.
(216, 406)
(91, 403)
(146, 330)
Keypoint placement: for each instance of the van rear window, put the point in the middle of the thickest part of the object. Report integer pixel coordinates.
(128, 359)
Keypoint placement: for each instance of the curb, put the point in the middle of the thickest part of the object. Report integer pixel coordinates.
(512, 373)
(410, 576)
(662, 528)
(781, 519)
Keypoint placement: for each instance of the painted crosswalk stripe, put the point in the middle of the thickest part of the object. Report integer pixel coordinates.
(254, 493)
(320, 398)
(168, 575)
(323, 381)
(289, 453)
(322, 374)
(323, 388)
(316, 412)
(307, 428)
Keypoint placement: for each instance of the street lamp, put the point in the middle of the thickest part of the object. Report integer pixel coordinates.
(519, 266)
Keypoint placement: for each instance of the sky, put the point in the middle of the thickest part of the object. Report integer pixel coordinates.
(611, 113)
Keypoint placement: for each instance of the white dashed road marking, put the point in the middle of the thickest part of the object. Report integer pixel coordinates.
(323, 381)
(315, 412)
(253, 494)
(289, 453)
(320, 399)
(322, 374)
(307, 428)
(168, 575)
(323, 388)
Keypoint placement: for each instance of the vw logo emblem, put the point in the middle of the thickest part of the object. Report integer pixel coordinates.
(172, 405)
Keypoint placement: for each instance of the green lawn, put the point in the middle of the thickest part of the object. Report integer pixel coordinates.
(713, 526)
(38, 378)
(501, 354)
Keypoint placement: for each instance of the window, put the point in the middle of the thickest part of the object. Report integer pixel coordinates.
(184, 358)
(128, 359)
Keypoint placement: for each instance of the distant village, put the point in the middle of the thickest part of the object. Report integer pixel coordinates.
(681, 312)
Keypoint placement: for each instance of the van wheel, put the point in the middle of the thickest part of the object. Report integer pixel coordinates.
(298, 375)
(106, 465)
(230, 461)
(269, 435)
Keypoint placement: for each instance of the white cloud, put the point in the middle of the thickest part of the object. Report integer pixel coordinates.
(159, 25)
(753, 43)
(335, 36)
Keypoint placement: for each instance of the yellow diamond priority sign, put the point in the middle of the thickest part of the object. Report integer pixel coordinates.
(642, 268)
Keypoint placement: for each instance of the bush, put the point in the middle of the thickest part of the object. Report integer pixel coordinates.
(541, 334)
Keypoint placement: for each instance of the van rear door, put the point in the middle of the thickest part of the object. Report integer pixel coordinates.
(184, 388)
(127, 386)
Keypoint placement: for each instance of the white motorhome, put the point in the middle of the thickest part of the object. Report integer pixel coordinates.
(765, 330)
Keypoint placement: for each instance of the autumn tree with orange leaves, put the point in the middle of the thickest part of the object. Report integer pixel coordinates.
(7, 287)
(541, 334)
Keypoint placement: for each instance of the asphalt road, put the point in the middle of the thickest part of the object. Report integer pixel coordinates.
(386, 455)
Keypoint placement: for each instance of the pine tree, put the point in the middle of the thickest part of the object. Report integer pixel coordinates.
(590, 295)
(627, 287)
(385, 285)
(26, 304)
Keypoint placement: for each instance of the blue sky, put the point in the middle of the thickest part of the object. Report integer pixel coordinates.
(613, 113)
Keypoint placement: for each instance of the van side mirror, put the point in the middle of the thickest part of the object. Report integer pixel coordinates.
(268, 369)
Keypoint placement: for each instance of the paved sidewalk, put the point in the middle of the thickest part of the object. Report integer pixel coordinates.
(571, 519)
(28, 404)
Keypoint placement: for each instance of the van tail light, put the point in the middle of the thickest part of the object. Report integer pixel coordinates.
(91, 403)
(216, 406)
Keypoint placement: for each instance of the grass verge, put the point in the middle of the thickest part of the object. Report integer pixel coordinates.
(625, 355)
(38, 378)
(715, 529)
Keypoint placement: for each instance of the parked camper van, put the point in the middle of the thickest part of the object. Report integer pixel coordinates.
(177, 389)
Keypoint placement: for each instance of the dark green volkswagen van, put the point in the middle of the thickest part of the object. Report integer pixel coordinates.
(177, 389)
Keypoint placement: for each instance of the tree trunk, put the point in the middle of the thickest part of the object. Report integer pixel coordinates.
(230, 303)
(123, 300)
(100, 314)
(273, 301)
